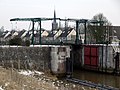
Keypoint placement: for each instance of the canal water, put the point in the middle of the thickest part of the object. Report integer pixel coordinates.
(106, 79)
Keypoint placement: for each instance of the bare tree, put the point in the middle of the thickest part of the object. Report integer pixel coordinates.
(98, 30)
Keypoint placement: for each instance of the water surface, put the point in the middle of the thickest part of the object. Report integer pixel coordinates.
(105, 79)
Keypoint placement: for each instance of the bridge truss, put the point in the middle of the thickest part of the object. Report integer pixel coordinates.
(76, 21)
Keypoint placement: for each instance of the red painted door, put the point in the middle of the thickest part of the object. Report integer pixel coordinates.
(91, 56)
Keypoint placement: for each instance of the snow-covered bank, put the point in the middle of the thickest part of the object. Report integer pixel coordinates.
(11, 79)
(1, 88)
(28, 72)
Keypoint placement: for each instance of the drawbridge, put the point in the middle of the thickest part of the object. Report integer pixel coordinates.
(77, 22)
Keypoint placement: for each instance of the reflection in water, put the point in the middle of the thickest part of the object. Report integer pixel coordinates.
(106, 79)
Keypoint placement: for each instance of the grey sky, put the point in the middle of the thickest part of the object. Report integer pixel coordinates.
(64, 8)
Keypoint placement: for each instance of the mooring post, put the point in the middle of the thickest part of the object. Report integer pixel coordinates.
(116, 62)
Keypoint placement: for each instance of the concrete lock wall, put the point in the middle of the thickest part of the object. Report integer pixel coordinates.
(25, 57)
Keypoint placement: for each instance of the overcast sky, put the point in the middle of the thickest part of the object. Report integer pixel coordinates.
(64, 8)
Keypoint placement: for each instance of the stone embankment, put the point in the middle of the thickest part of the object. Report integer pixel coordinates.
(37, 58)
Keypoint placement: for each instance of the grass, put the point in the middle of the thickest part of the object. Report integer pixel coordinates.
(10, 79)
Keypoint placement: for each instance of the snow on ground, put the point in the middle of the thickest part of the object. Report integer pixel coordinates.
(7, 83)
(28, 72)
(33, 80)
(37, 72)
(1, 88)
